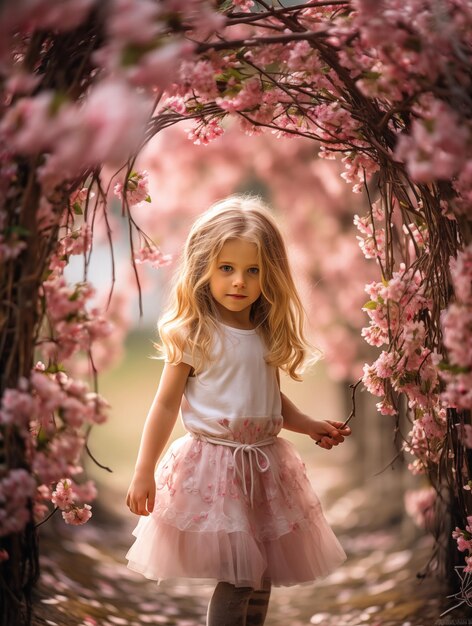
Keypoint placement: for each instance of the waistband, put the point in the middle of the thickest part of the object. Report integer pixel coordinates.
(242, 451)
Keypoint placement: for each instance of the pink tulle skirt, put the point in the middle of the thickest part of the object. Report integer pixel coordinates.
(215, 519)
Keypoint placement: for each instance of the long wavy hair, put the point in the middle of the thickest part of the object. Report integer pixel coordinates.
(190, 320)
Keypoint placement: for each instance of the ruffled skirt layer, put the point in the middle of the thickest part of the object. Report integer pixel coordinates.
(205, 524)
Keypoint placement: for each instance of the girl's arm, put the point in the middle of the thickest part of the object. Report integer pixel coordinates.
(328, 433)
(156, 432)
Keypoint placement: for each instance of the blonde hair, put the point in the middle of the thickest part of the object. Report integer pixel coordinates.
(191, 319)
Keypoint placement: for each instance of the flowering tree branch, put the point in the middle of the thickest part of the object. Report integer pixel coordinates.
(385, 88)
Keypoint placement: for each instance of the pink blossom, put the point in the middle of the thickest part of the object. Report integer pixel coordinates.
(77, 516)
(201, 76)
(4, 556)
(113, 132)
(44, 15)
(63, 496)
(420, 505)
(159, 67)
(434, 424)
(246, 98)
(461, 271)
(85, 491)
(21, 82)
(48, 390)
(205, 132)
(207, 22)
(385, 364)
(151, 254)
(468, 564)
(133, 23)
(77, 135)
(11, 248)
(97, 406)
(74, 412)
(436, 147)
(385, 407)
(372, 382)
(463, 186)
(413, 336)
(18, 407)
(16, 488)
(136, 188)
(464, 544)
(77, 241)
(177, 104)
(420, 235)
(28, 126)
(243, 5)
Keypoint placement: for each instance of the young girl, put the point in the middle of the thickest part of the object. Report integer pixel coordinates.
(231, 500)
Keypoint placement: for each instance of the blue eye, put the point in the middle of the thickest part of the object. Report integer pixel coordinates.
(226, 268)
(253, 270)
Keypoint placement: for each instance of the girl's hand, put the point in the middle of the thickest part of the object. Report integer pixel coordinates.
(327, 433)
(142, 488)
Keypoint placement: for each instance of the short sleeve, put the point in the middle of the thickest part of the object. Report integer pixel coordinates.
(187, 358)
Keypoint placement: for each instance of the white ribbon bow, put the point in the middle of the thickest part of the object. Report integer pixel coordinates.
(256, 457)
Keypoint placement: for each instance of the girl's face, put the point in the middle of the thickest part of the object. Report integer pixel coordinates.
(235, 282)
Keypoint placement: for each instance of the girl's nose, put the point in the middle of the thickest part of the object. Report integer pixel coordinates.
(238, 281)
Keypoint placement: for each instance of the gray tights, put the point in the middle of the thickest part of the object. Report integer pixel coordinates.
(238, 606)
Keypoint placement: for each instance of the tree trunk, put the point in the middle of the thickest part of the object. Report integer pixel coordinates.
(20, 317)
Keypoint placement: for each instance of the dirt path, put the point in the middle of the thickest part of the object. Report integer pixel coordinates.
(85, 582)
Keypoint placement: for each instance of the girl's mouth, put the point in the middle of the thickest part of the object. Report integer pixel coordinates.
(236, 295)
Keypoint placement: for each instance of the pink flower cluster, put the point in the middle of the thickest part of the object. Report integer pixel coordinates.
(17, 489)
(372, 243)
(74, 326)
(436, 146)
(200, 77)
(392, 308)
(205, 132)
(337, 130)
(10, 248)
(49, 412)
(75, 136)
(135, 190)
(420, 506)
(152, 255)
(456, 322)
(464, 542)
(67, 494)
(409, 366)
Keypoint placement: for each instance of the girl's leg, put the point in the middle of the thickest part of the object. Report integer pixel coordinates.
(258, 605)
(228, 605)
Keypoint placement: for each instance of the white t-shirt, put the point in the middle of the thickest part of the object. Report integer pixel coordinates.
(237, 393)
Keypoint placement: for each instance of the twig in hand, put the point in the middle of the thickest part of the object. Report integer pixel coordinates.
(353, 410)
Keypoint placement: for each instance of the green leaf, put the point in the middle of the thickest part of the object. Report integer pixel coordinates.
(46, 274)
(42, 439)
(371, 74)
(133, 53)
(429, 125)
(54, 368)
(18, 230)
(58, 100)
(77, 208)
(75, 296)
(454, 369)
(370, 304)
(148, 199)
